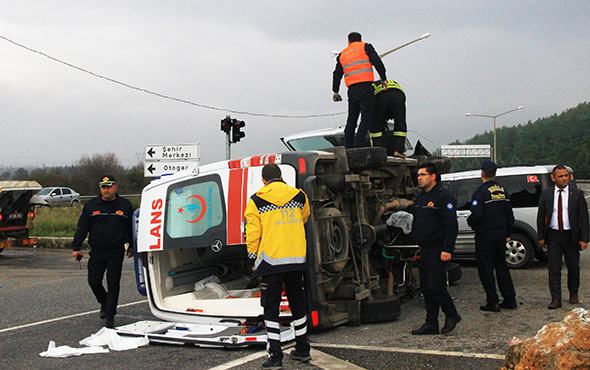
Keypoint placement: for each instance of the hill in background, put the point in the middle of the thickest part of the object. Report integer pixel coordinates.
(563, 138)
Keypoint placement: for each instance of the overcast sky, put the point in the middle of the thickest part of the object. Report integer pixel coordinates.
(271, 58)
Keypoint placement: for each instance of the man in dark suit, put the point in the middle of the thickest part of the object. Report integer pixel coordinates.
(562, 224)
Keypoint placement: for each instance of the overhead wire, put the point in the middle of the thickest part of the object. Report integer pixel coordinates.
(164, 96)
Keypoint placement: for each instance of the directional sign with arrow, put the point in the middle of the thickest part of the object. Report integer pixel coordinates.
(172, 152)
(168, 159)
(156, 169)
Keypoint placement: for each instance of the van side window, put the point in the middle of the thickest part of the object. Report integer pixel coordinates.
(193, 209)
(464, 189)
(524, 190)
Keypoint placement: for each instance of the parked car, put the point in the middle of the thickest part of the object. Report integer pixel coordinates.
(525, 184)
(60, 196)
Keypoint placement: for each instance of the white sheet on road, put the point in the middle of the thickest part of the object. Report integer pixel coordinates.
(96, 344)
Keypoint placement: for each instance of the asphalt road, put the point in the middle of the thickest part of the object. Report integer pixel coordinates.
(44, 296)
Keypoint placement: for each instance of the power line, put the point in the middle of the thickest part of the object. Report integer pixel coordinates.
(163, 95)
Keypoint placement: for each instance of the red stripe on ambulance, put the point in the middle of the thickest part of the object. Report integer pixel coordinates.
(257, 160)
(236, 205)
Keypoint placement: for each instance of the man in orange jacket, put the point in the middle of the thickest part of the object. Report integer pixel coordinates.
(356, 63)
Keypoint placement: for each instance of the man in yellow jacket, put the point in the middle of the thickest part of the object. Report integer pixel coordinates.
(275, 237)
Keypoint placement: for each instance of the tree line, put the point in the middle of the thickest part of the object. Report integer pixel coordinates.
(563, 138)
(84, 176)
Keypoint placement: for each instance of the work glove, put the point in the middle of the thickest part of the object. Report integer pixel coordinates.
(337, 97)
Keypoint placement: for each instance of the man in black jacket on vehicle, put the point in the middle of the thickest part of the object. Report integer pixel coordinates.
(435, 230)
(108, 220)
(492, 219)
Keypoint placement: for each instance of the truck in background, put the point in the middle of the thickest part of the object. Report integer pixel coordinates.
(17, 210)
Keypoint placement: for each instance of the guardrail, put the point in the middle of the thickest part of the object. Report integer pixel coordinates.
(84, 198)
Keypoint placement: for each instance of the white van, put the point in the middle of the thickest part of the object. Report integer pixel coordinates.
(524, 184)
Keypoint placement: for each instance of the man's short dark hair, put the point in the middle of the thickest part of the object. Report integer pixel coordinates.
(354, 37)
(488, 169)
(559, 167)
(431, 169)
(271, 172)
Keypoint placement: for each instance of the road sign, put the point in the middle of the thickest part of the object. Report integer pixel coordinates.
(466, 151)
(172, 152)
(156, 169)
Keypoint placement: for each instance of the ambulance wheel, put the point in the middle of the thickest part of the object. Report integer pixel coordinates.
(380, 309)
(366, 157)
(334, 235)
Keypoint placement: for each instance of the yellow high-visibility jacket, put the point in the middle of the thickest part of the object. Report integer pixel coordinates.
(275, 232)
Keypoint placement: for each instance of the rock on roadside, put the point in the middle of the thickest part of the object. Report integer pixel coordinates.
(560, 345)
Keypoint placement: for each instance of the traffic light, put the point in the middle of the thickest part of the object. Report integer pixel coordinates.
(226, 124)
(236, 133)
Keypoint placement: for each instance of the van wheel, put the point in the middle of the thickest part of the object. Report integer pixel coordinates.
(519, 251)
(366, 157)
(334, 236)
(380, 309)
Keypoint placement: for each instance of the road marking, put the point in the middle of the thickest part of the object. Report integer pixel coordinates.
(64, 318)
(326, 361)
(318, 358)
(240, 361)
(418, 351)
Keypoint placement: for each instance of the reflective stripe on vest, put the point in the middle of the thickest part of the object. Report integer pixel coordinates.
(356, 64)
(391, 84)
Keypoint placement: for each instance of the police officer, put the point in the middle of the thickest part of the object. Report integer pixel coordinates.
(390, 103)
(275, 236)
(435, 230)
(356, 63)
(492, 219)
(108, 221)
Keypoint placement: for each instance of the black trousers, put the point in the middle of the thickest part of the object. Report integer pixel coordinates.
(271, 291)
(112, 263)
(361, 101)
(558, 245)
(433, 285)
(490, 252)
(390, 104)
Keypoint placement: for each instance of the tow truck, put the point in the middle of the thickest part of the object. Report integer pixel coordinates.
(191, 257)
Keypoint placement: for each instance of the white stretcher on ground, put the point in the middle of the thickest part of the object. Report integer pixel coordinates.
(233, 334)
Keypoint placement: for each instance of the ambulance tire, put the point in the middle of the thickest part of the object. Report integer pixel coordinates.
(366, 157)
(380, 309)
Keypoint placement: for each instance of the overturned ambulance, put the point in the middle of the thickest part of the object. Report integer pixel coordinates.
(192, 261)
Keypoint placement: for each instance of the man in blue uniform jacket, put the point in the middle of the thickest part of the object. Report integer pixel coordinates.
(492, 219)
(435, 230)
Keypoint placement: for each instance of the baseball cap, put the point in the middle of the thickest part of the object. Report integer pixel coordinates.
(489, 166)
(107, 180)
